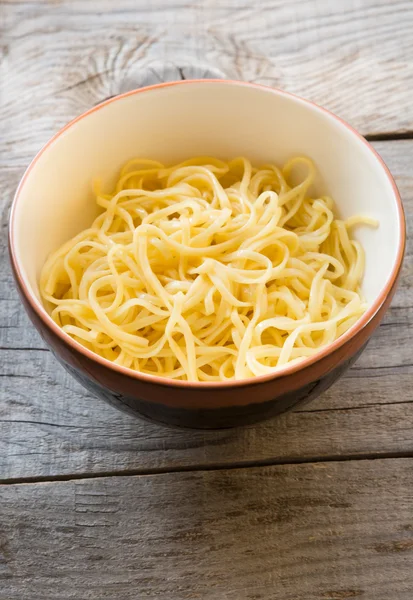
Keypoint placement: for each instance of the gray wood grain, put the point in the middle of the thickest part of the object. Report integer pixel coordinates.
(326, 531)
(49, 426)
(316, 531)
(59, 58)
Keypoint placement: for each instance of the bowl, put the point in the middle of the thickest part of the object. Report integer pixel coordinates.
(171, 122)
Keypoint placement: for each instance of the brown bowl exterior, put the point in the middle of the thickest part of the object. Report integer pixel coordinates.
(207, 408)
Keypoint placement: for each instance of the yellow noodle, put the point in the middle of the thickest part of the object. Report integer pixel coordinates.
(208, 270)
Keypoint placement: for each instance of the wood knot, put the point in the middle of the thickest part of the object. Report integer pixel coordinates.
(160, 72)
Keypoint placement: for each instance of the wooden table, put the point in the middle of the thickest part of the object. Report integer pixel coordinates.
(317, 505)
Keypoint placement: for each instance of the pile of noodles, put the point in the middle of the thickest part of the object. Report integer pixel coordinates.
(208, 271)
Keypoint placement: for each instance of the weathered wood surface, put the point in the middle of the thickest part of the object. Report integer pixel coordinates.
(326, 531)
(61, 57)
(315, 531)
(49, 426)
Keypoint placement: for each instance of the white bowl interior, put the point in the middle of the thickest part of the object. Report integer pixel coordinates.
(202, 118)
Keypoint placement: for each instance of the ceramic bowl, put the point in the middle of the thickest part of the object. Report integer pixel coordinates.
(171, 122)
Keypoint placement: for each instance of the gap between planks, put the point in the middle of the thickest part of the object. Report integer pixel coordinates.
(253, 464)
(389, 136)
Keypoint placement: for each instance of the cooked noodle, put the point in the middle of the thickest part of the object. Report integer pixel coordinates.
(208, 270)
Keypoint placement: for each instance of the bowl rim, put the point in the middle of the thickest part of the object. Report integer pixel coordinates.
(284, 371)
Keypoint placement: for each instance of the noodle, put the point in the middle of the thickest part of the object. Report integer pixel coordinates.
(208, 270)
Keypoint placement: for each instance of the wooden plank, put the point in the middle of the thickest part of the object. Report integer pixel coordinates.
(326, 531)
(60, 430)
(49, 426)
(61, 58)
